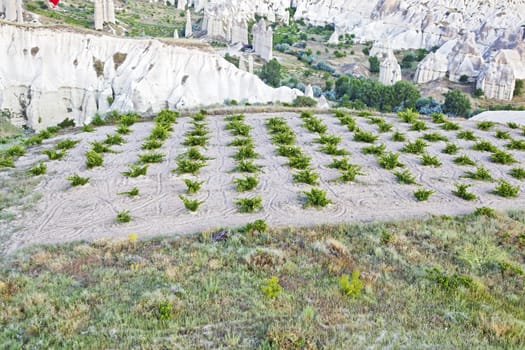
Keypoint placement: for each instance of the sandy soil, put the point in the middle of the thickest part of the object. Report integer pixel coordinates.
(88, 213)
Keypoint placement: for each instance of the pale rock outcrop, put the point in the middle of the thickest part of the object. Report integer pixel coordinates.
(263, 40)
(250, 64)
(11, 10)
(389, 70)
(309, 91)
(465, 59)
(49, 74)
(188, 31)
(433, 67)
(104, 13)
(175, 34)
(334, 38)
(243, 64)
(323, 103)
(181, 4)
(240, 32)
(497, 79)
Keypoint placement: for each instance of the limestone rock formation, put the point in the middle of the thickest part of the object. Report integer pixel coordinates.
(181, 4)
(309, 91)
(11, 10)
(48, 75)
(104, 13)
(497, 79)
(323, 103)
(433, 67)
(390, 70)
(465, 59)
(188, 30)
(263, 40)
(220, 25)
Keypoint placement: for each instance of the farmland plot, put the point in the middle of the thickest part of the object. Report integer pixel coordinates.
(368, 167)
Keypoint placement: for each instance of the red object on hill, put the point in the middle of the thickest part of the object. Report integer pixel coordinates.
(54, 2)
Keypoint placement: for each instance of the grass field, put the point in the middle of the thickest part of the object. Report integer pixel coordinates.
(448, 283)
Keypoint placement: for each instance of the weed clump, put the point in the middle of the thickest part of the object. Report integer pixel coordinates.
(190, 204)
(77, 180)
(271, 288)
(246, 184)
(136, 170)
(461, 191)
(192, 186)
(93, 159)
(123, 216)
(249, 205)
(351, 287)
(316, 198)
(506, 190)
(422, 194)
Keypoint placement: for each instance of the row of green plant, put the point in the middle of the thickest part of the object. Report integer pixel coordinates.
(284, 138)
(244, 156)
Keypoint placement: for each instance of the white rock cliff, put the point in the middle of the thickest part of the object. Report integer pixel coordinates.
(49, 74)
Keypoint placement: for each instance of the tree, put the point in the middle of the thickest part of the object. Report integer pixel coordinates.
(271, 73)
(406, 93)
(374, 64)
(456, 103)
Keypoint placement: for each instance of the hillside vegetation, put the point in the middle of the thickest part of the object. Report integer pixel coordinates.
(440, 282)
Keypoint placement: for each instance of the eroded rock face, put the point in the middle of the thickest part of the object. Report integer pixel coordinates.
(49, 74)
(11, 10)
(498, 79)
(389, 70)
(263, 40)
(104, 13)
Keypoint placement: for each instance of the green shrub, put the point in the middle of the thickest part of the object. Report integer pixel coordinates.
(419, 125)
(284, 138)
(518, 173)
(88, 128)
(135, 170)
(277, 125)
(151, 157)
(247, 183)
(408, 116)
(189, 166)
(405, 177)
(98, 120)
(6, 162)
(164, 310)
(289, 151)
(434, 137)
(502, 157)
(196, 141)
(39, 169)
(33, 140)
(190, 204)
(390, 161)
(385, 127)
(502, 135)
(159, 132)
(315, 125)
(77, 180)
(115, 139)
(301, 162)
(131, 193)
(93, 159)
(484, 146)
(481, 174)
(329, 139)
(450, 126)
(429, 160)
(192, 186)
(513, 125)
(123, 216)
(466, 135)
(485, 211)
(333, 150)
(128, 119)
(438, 118)
(14, 151)
(365, 136)
(238, 118)
(66, 144)
(464, 160)
(256, 226)
(249, 205)
(306, 176)
(398, 136)
(518, 145)
(350, 173)
(448, 283)
(450, 148)
(485, 125)
(340, 164)
(238, 128)
(245, 152)
(241, 141)
(247, 166)
(194, 154)
(316, 198)
(99, 147)
(271, 288)
(166, 117)
(66, 123)
(505, 189)
(462, 192)
(416, 147)
(351, 287)
(422, 194)
(376, 150)
(151, 144)
(54, 154)
(304, 101)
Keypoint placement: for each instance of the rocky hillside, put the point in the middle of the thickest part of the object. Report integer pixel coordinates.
(49, 74)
